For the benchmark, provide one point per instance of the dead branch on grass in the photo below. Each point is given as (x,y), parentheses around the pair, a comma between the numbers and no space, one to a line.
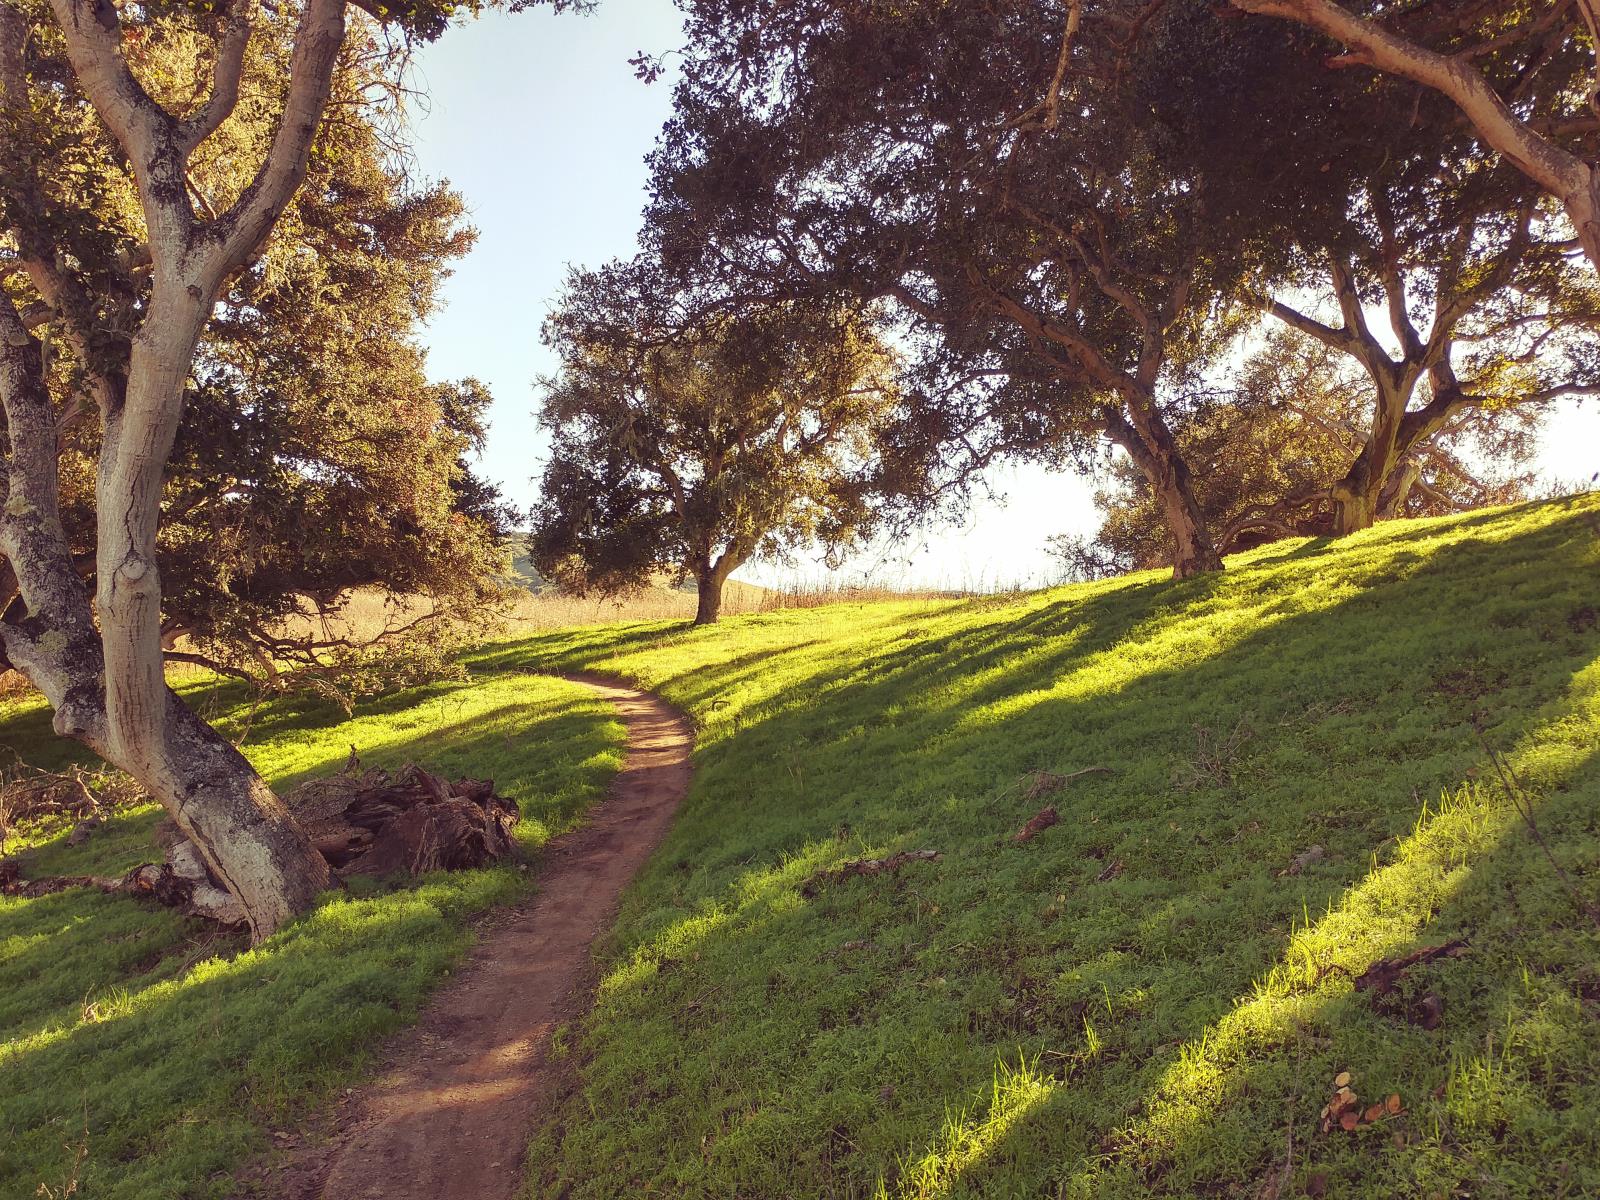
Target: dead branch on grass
(867,866)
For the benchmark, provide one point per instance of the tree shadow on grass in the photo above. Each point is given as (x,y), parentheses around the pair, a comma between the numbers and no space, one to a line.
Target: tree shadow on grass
(1237,1103)
(849,1020)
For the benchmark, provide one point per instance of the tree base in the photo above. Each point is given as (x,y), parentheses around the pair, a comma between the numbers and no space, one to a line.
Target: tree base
(362,822)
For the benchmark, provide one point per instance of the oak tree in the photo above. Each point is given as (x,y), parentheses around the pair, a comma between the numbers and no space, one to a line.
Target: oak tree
(175,137)
(974,166)
(692,447)
(1271,447)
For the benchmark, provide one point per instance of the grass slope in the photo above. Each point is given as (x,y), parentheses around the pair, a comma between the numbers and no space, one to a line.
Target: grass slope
(1138,1002)
(142,1056)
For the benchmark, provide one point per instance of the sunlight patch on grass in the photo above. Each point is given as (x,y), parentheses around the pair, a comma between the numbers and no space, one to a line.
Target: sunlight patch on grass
(967,1137)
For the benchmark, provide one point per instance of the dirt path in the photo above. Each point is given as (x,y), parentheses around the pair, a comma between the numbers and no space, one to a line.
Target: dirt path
(452,1111)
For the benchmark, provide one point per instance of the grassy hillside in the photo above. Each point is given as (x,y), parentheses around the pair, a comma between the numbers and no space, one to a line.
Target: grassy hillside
(1150,998)
(143,1056)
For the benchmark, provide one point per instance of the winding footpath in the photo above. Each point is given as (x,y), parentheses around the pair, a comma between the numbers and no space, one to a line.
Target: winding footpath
(450,1115)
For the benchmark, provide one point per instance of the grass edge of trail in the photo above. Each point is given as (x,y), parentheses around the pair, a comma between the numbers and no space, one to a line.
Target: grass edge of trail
(164,1054)
(1143,1000)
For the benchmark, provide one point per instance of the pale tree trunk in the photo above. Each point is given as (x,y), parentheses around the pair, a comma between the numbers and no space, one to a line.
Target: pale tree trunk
(1377,482)
(1569,178)
(247,838)
(108,685)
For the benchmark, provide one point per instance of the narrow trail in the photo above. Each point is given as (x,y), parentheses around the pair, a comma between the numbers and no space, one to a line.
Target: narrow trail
(451,1112)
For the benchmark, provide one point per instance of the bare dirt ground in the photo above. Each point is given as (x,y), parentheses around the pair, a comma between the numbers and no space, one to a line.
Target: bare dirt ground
(452,1109)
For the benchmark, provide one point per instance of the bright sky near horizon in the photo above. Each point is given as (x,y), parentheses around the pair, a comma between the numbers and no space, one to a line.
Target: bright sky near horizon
(538,120)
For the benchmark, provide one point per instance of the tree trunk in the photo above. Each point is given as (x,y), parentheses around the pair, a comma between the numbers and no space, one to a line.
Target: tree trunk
(1354,509)
(107,686)
(708,583)
(1357,498)
(247,838)
(1155,452)
(1195,551)
(1397,489)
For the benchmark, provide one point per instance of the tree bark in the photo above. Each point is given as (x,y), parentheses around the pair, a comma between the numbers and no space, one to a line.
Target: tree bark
(1196,553)
(1155,452)
(708,583)
(250,842)
(1397,490)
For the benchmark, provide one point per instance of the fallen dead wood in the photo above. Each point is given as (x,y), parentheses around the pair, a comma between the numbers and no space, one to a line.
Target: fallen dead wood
(1382,976)
(182,882)
(868,866)
(412,822)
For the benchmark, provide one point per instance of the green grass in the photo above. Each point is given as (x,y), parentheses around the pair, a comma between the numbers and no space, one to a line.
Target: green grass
(1035,1020)
(164,1054)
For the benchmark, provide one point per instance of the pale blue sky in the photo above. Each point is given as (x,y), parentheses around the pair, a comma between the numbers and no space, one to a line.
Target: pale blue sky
(538,120)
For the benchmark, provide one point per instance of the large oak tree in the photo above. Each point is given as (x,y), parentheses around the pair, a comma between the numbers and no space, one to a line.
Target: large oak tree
(1065,256)
(211,116)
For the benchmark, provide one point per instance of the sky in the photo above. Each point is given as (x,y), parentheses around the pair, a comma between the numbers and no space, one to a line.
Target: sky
(538,121)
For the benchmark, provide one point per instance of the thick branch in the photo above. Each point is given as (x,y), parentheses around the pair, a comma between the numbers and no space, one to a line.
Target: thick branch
(225,77)
(1563,174)
(316,50)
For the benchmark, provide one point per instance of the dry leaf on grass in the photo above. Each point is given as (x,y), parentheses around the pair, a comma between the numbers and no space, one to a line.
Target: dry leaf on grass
(1039,822)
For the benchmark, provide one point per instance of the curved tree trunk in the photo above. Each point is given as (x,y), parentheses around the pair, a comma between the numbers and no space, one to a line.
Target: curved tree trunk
(108,686)
(247,838)
(1153,449)
(1196,553)
(249,841)
(1358,497)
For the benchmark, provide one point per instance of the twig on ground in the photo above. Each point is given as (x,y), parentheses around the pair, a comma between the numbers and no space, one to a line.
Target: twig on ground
(868,866)
(1517,792)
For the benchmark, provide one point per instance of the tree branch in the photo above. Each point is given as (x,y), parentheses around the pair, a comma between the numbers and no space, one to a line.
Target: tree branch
(1563,174)
(198,126)
(316,49)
